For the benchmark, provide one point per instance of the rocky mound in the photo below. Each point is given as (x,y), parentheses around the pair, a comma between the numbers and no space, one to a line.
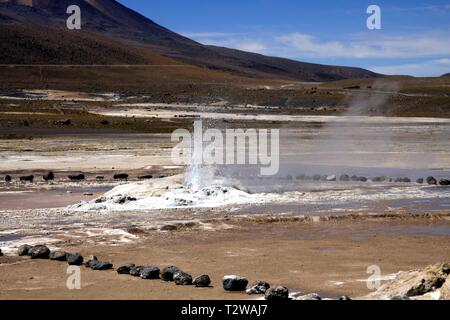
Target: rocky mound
(431,283)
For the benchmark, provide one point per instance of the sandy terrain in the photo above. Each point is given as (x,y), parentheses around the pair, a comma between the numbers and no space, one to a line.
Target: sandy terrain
(327,257)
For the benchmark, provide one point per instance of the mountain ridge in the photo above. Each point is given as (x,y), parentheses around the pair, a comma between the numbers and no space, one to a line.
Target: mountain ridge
(113,22)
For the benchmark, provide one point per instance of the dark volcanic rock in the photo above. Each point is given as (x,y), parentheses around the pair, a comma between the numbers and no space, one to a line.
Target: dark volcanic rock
(444,182)
(150,273)
(23,250)
(39,252)
(99,178)
(202,281)
(1,253)
(362,179)
(100,265)
(8,178)
(66,122)
(379,179)
(431,180)
(49,176)
(258,287)
(420,181)
(168,272)
(234,283)
(147,177)
(344,177)
(182,278)
(277,293)
(87,263)
(27,178)
(136,271)
(342,298)
(58,256)
(77,177)
(125,269)
(74,259)
(354,178)
(121,176)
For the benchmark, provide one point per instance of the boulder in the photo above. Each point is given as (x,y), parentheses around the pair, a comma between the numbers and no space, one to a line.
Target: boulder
(8,178)
(202,281)
(277,293)
(342,298)
(125,269)
(23,250)
(146,177)
(309,297)
(420,181)
(150,273)
(445,290)
(431,180)
(39,252)
(234,283)
(182,279)
(379,179)
(331,178)
(99,178)
(49,176)
(136,271)
(354,178)
(27,178)
(362,179)
(417,284)
(258,287)
(444,182)
(121,176)
(75,259)
(77,177)
(58,256)
(100,265)
(87,262)
(167,273)
(344,177)
(1,253)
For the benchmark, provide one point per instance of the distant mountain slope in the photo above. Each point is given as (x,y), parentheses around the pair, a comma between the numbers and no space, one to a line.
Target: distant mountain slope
(446,75)
(25,44)
(120,30)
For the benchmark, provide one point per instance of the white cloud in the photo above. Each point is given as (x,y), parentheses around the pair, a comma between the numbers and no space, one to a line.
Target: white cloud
(301,45)
(200,35)
(405,46)
(430,68)
(250,46)
(229,40)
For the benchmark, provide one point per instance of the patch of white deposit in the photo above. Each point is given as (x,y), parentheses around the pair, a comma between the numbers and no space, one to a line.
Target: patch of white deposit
(181,197)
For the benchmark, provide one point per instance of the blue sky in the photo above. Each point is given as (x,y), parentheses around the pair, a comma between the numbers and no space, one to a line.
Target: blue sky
(414,39)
